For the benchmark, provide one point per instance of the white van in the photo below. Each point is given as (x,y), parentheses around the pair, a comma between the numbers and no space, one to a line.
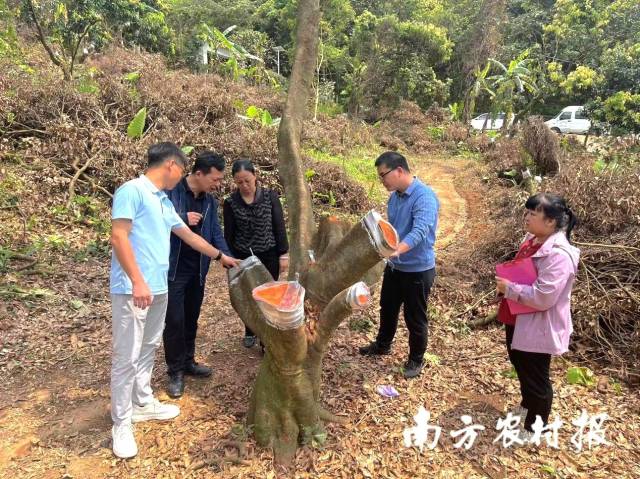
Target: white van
(485,122)
(571,119)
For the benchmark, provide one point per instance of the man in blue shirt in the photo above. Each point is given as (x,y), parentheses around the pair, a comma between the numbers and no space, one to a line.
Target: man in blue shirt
(188,268)
(413,211)
(142,221)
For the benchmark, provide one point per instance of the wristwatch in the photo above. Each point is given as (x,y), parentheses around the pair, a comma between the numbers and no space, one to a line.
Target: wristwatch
(217,258)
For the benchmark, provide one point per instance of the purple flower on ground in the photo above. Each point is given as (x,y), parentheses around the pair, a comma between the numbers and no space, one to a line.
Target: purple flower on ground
(387,391)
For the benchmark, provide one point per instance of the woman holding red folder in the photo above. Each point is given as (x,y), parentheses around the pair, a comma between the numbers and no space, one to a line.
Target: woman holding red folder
(533,337)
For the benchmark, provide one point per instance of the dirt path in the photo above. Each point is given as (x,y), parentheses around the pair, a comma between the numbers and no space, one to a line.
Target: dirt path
(440,174)
(55,421)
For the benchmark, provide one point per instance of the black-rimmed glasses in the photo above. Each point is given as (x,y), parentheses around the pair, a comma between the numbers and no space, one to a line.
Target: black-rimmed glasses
(385,173)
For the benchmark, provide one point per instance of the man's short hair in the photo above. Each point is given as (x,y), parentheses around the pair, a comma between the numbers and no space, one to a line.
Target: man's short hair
(160,152)
(392,160)
(207,160)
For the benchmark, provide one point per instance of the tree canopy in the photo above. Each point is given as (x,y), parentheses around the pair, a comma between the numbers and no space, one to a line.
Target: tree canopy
(373,54)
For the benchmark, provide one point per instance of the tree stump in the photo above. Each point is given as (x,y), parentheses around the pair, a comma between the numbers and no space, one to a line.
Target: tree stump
(285,406)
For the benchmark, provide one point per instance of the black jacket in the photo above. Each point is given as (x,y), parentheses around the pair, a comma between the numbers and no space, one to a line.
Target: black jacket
(211,230)
(256,227)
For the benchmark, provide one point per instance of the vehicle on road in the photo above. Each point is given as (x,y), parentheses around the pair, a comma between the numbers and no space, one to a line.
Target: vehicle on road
(572,119)
(485,122)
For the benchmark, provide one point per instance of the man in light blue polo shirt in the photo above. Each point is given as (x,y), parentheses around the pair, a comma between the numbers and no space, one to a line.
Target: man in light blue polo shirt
(143,218)
(408,278)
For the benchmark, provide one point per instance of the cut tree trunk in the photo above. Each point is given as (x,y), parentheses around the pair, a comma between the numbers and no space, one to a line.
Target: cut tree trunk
(285,407)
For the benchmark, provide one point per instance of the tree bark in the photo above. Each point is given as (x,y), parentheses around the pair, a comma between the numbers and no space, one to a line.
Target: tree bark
(343,263)
(74,53)
(290,167)
(482,44)
(285,406)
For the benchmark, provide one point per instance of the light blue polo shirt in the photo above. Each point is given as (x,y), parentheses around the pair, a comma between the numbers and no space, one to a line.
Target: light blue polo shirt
(153,217)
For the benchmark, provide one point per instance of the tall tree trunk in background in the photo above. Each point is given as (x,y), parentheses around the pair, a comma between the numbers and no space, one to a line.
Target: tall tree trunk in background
(483,43)
(285,407)
(290,167)
(317,81)
(43,40)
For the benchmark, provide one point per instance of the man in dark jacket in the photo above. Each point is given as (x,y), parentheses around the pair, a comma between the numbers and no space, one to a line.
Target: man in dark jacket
(188,268)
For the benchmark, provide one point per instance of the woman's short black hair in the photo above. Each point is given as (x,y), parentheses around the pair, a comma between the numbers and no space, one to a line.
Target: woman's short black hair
(553,207)
(161,152)
(392,160)
(207,160)
(242,165)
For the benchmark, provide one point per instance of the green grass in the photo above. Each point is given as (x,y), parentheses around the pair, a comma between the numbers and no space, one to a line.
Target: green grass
(358,165)
(360,324)
(330,109)
(435,132)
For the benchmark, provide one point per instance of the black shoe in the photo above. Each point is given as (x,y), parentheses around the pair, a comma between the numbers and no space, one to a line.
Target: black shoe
(175,388)
(199,370)
(412,368)
(374,349)
(249,341)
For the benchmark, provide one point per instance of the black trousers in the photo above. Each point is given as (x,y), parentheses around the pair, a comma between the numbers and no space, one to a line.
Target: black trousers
(410,290)
(181,323)
(535,382)
(271,260)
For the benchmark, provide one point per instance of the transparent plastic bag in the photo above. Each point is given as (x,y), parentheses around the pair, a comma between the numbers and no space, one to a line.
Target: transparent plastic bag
(383,236)
(246,264)
(282,303)
(359,296)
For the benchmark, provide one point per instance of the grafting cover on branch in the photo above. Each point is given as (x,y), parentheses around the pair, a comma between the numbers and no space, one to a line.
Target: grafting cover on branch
(359,296)
(347,258)
(245,264)
(281,303)
(383,236)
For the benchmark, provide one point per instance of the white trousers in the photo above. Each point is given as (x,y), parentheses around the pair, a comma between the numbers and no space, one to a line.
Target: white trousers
(136,334)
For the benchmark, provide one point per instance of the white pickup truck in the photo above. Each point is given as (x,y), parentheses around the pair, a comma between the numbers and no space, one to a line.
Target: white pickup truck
(571,119)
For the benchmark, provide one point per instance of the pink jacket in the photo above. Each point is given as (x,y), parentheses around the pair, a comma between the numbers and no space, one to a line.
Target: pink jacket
(548,330)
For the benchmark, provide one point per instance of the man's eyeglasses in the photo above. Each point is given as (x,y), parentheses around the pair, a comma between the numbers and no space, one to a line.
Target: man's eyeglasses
(382,175)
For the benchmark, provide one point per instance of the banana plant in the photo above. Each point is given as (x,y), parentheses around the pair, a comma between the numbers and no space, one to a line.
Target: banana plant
(236,61)
(225,47)
(479,85)
(455,109)
(513,82)
(256,114)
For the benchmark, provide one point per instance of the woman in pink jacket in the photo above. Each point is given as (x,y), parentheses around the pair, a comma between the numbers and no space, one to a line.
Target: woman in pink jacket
(532,338)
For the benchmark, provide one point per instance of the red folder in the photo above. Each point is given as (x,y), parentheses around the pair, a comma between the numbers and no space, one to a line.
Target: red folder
(519,271)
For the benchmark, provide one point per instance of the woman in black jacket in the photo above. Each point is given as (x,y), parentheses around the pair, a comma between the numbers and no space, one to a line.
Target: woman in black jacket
(254,222)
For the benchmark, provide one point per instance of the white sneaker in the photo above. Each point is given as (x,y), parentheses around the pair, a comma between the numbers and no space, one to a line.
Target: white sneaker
(124,443)
(155,410)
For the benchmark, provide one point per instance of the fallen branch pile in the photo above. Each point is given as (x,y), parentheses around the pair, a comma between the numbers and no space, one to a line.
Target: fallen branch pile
(607,297)
(73,135)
